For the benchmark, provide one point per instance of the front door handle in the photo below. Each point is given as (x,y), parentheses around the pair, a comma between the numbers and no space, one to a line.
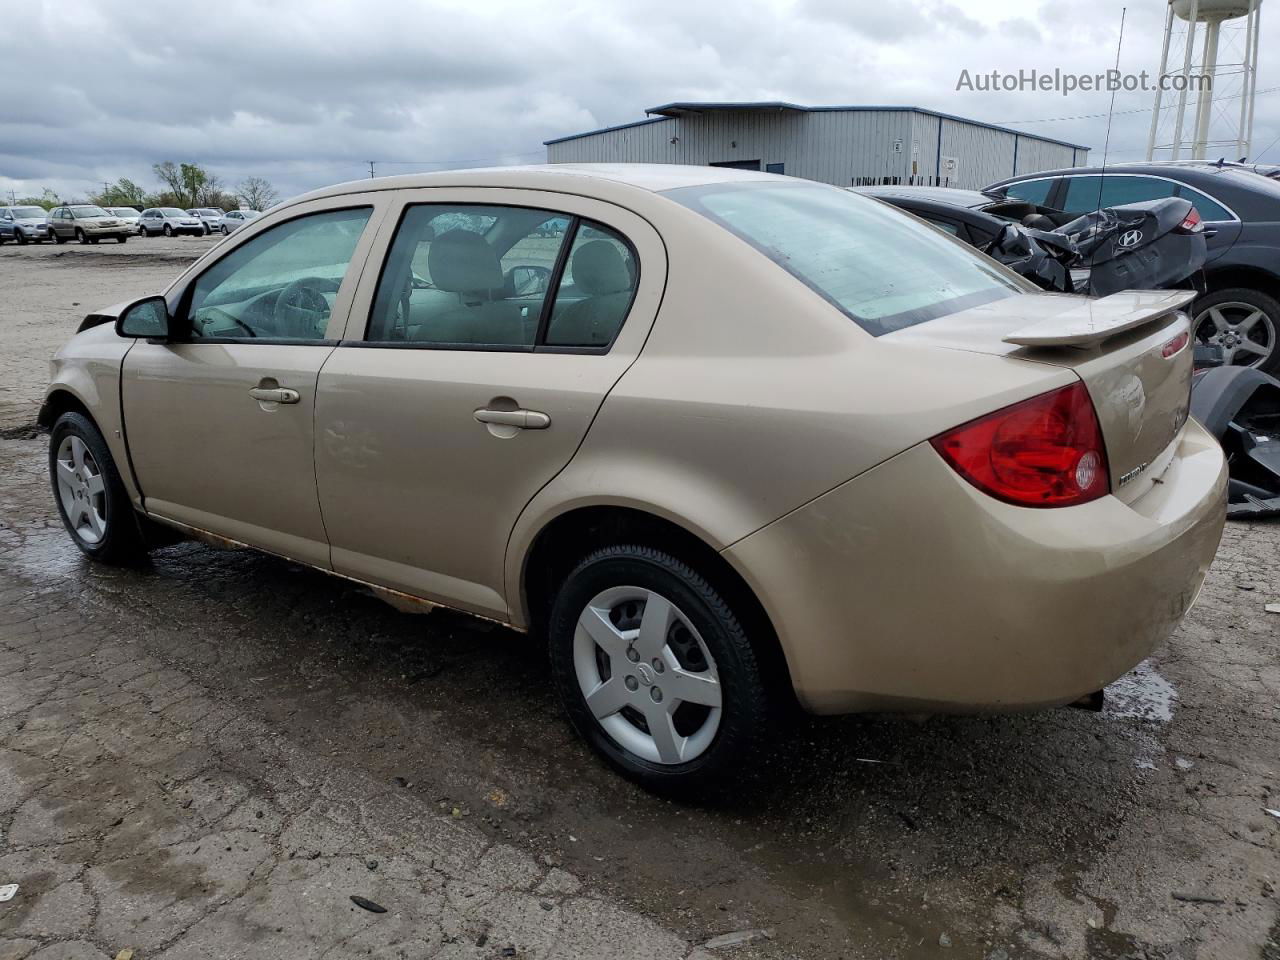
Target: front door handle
(275,395)
(522,419)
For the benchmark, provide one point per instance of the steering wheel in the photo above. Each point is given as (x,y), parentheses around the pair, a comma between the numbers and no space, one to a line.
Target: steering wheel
(301,312)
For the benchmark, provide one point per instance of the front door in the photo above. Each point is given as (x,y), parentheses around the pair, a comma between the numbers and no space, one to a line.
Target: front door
(475,363)
(219,420)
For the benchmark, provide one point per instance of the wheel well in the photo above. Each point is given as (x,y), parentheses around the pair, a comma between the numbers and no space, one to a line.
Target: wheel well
(1247,277)
(58,403)
(567,539)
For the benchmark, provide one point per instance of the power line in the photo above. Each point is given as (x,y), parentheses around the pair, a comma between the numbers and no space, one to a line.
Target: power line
(1120,113)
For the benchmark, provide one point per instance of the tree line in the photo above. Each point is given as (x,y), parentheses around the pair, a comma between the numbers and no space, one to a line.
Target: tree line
(183,185)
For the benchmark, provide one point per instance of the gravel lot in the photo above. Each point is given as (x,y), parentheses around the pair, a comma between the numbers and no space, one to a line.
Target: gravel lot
(208,757)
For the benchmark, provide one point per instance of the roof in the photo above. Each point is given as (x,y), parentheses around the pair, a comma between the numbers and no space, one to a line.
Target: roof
(565,177)
(960,198)
(684,108)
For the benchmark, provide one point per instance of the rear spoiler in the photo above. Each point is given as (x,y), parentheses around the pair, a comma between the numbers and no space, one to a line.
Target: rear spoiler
(1093,321)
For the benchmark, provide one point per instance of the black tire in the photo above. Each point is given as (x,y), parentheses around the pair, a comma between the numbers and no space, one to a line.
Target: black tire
(121,238)
(123,541)
(21,238)
(81,237)
(1258,300)
(225,231)
(745,715)
(168,230)
(57,237)
(94,239)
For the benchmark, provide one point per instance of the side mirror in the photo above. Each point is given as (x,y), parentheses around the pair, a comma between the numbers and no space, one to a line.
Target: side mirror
(148,317)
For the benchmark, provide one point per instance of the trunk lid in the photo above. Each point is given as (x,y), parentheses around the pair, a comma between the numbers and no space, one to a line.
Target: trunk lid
(1117,345)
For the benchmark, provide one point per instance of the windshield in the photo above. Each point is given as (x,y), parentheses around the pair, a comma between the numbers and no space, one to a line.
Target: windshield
(28,213)
(88,211)
(173,212)
(206,212)
(883,270)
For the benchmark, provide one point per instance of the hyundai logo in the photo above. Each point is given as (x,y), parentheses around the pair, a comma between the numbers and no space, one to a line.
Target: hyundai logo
(1131,238)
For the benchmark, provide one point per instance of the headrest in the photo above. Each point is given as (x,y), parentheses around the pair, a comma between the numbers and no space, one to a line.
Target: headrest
(598,268)
(460,261)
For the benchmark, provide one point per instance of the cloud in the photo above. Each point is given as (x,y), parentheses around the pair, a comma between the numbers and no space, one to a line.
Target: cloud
(305,93)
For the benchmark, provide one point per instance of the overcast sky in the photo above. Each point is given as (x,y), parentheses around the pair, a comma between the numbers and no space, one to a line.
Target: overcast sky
(305,93)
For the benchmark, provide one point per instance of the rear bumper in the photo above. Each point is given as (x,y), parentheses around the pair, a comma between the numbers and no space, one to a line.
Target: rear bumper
(908,589)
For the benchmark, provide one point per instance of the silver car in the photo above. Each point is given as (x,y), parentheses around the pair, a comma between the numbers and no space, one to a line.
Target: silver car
(87,223)
(128,214)
(170,221)
(233,219)
(23,224)
(211,217)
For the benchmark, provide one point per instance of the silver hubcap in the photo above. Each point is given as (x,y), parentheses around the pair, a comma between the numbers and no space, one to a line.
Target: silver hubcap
(1246,334)
(82,490)
(647,675)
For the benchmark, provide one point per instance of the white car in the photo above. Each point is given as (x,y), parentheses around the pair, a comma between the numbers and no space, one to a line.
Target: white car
(128,214)
(211,217)
(233,219)
(169,221)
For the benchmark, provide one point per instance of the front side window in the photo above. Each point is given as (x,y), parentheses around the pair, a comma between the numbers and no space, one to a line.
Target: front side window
(881,269)
(1032,191)
(280,285)
(467,274)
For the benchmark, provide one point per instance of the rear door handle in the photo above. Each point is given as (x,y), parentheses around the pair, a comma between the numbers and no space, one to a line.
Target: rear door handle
(275,395)
(524,419)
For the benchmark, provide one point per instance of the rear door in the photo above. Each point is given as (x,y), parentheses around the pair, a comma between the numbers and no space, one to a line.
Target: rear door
(475,361)
(220,419)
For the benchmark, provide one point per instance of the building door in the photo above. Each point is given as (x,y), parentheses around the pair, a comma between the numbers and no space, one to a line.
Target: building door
(737,164)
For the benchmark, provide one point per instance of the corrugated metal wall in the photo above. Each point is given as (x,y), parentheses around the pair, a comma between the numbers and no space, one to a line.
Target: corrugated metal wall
(843,147)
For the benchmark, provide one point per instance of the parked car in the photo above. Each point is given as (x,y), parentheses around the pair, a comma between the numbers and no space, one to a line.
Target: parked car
(209,216)
(234,219)
(87,223)
(730,441)
(1240,309)
(128,214)
(24,224)
(170,221)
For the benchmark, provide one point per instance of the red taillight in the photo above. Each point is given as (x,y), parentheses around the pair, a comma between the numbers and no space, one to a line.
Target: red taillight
(1192,223)
(1043,452)
(1174,346)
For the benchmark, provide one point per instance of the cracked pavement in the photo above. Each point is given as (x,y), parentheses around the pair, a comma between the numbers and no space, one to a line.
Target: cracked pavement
(203,757)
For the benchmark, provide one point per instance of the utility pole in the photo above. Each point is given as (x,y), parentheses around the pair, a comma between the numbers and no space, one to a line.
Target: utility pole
(371,163)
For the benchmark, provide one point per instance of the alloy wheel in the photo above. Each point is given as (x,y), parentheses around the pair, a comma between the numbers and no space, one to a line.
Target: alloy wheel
(647,676)
(82,490)
(1245,333)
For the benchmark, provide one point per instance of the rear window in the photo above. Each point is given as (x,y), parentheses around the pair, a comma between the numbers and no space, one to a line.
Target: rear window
(881,269)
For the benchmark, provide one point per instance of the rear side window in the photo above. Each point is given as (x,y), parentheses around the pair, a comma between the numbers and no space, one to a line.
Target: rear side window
(502,277)
(1086,194)
(883,270)
(1208,208)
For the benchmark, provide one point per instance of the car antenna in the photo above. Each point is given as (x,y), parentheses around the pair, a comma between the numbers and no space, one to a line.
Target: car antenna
(1111,111)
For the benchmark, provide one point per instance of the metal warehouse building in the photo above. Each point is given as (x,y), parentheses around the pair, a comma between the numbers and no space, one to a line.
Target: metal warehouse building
(849,146)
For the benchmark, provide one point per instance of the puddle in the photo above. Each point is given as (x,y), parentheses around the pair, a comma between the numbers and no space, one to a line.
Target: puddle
(1141,694)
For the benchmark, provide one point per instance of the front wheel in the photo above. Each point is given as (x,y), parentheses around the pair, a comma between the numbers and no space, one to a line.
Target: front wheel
(122,239)
(91,497)
(168,230)
(20,237)
(656,671)
(81,236)
(225,231)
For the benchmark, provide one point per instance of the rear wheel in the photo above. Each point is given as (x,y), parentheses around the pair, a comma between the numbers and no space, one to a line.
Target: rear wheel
(91,497)
(1245,323)
(656,671)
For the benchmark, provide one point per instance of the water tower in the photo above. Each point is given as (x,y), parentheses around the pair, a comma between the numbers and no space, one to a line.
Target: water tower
(1234,85)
